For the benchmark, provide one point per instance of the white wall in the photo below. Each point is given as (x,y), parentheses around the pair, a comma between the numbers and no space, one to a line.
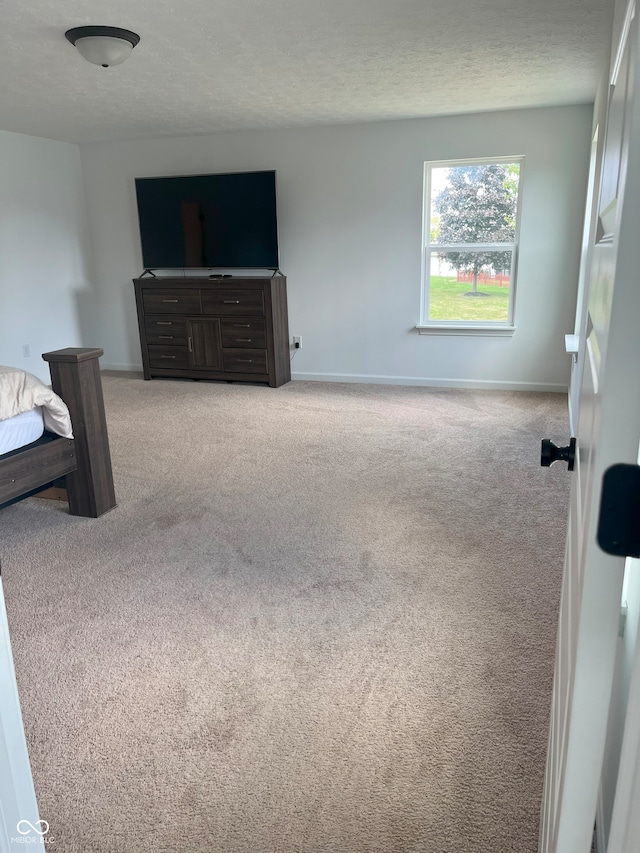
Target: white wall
(43,249)
(350,219)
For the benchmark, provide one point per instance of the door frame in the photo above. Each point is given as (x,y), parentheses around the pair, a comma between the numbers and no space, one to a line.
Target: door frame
(17,794)
(575,754)
(625,821)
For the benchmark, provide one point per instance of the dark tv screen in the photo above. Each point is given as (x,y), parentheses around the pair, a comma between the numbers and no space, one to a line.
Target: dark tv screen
(208,221)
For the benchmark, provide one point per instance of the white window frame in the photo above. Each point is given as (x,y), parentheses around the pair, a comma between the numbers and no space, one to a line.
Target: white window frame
(462,327)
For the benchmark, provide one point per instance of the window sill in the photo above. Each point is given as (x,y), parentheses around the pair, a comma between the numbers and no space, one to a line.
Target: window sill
(483,331)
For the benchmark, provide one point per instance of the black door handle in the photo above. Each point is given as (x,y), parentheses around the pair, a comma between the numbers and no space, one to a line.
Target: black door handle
(552,453)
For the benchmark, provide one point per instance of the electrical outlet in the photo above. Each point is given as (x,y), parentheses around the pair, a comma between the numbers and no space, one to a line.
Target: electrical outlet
(26,350)
(297,341)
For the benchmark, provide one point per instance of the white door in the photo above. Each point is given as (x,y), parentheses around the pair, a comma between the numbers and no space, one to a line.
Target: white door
(608,432)
(19,820)
(624,832)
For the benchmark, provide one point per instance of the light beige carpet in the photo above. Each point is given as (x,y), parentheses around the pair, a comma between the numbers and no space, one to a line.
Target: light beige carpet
(321,619)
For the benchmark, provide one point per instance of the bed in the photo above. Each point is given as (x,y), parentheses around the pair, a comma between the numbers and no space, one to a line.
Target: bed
(42,446)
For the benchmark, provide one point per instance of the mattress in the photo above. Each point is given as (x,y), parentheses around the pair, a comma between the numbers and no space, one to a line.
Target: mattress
(21,429)
(21,392)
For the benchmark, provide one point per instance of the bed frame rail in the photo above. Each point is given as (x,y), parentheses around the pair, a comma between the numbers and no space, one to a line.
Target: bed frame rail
(23,472)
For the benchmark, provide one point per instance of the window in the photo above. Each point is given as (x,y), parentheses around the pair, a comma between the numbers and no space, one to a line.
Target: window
(471,216)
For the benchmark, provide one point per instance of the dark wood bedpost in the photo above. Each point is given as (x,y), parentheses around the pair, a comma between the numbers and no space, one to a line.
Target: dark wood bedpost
(75,376)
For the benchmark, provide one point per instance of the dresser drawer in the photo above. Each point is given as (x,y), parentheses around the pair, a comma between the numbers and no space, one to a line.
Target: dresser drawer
(239,333)
(167,356)
(238,301)
(245,360)
(166,332)
(171,301)
(165,326)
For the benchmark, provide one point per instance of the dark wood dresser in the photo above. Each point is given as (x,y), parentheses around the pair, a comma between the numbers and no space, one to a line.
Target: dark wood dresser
(228,328)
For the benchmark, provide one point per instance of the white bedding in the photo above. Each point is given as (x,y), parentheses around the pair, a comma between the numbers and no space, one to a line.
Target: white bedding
(21,430)
(21,392)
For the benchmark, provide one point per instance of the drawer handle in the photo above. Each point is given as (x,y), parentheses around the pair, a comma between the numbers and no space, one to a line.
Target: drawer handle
(166,337)
(164,323)
(231,301)
(248,360)
(190,342)
(169,300)
(244,340)
(242,325)
(167,356)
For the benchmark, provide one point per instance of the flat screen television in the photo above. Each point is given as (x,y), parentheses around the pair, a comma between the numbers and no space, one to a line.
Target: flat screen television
(209,221)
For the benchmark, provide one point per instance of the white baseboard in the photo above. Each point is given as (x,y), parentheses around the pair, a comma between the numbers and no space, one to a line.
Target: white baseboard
(121,368)
(479,384)
(368,379)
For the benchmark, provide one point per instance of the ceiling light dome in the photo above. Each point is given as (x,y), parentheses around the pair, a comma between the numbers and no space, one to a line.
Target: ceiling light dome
(103,46)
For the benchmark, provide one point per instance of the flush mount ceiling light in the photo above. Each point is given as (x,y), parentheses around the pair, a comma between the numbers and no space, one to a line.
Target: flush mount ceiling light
(103,46)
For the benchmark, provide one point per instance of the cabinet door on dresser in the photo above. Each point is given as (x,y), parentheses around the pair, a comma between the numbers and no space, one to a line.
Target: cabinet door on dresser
(205,343)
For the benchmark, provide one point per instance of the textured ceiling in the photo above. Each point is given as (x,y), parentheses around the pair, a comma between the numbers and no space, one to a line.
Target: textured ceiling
(205,65)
